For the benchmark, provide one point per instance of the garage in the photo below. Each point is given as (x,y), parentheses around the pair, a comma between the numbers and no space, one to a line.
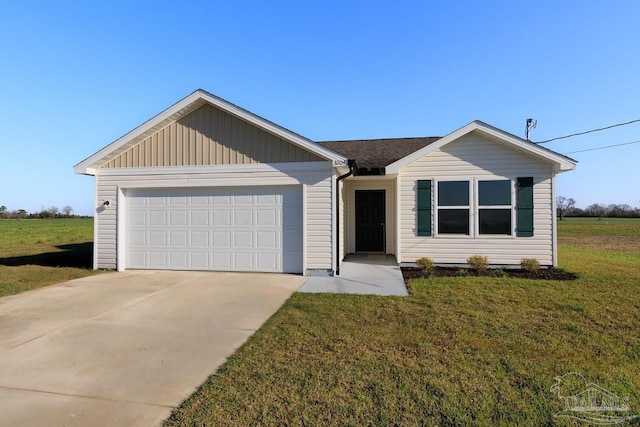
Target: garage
(222,229)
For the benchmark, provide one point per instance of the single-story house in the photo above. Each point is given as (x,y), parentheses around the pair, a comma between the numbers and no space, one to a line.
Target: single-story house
(207,185)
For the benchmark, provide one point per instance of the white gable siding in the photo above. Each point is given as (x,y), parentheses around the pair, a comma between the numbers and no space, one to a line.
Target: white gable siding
(314,176)
(471,157)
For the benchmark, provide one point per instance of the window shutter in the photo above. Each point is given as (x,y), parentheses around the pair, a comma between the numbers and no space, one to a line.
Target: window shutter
(525,207)
(424,208)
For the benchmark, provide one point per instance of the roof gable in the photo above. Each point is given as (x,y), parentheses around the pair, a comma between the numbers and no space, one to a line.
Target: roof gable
(210,136)
(560,162)
(123,148)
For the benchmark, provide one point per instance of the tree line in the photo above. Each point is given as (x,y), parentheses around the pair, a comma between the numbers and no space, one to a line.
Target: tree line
(566,207)
(44,213)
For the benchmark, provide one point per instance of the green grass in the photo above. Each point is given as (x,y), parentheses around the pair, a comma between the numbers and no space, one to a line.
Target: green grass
(36,253)
(459,351)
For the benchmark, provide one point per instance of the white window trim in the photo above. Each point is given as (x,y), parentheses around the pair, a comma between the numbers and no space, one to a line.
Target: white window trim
(474,208)
(436,209)
(512,207)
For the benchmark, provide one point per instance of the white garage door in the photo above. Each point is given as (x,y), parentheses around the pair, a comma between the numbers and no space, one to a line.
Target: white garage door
(225,229)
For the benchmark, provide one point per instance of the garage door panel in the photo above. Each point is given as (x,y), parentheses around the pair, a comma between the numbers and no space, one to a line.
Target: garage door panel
(200,261)
(179,260)
(243,217)
(243,229)
(199,239)
(267,262)
(221,217)
(199,218)
(158,259)
(178,238)
(243,239)
(158,218)
(157,238)
(221,261)
(243,261)
(222,239)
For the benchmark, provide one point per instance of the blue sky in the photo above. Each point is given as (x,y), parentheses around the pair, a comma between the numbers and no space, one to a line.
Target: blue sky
(75,76)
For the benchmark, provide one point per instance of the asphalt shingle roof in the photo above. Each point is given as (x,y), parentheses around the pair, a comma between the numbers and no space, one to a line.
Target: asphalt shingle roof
(378,153)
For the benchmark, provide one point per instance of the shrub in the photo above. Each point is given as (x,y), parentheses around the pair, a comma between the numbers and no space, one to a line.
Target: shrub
(500,272)
(425,263)
(426,273)
(530,264)
(478,262)
(463,272)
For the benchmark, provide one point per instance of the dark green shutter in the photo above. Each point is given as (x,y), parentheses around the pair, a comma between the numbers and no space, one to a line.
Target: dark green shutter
(424,208)
(525,207)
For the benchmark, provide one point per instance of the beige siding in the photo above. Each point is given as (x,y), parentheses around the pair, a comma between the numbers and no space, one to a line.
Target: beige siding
(370,183)
(209,136)
(315,176)
(475,157)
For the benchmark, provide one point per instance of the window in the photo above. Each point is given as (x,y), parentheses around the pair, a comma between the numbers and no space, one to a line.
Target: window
(494,207)
(475,207)
(453,207)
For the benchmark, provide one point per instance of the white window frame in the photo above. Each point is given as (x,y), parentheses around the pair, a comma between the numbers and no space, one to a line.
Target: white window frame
(512,207)
(436,209)
(474,208)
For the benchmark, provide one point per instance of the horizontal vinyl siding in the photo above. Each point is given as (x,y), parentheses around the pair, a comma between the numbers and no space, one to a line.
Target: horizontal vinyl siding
(318,203)
(209,136)
(390,210)
(106,219)
(319,230)
(476,157)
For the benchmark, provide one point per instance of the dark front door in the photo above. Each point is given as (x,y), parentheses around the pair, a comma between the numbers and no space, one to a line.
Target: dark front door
(370,220)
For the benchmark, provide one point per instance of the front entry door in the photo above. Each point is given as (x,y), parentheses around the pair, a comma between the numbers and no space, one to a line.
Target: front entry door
(370,221)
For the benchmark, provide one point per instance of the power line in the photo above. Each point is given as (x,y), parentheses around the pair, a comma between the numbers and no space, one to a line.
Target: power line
(588,131)
(602,148)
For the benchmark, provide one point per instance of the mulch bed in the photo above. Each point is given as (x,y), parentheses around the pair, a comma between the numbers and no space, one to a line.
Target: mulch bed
(542,274)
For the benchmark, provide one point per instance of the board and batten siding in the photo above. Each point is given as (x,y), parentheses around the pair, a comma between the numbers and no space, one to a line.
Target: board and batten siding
(210,136)
(314,176)
(389,187)
(474,156)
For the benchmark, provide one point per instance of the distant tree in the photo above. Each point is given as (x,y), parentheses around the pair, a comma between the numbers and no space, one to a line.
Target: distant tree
(3,211)
(67,210)
(21,213)
(596,210)
(564,206)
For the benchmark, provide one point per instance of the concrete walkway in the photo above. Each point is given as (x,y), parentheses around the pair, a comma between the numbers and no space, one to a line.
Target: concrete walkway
(123,349)
(362,274)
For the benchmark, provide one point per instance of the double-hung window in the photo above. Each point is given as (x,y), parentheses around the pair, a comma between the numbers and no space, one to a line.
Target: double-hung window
(453,207)
(495,211)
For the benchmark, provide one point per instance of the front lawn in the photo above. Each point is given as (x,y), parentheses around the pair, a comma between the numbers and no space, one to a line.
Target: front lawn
(459,351)
(41,252)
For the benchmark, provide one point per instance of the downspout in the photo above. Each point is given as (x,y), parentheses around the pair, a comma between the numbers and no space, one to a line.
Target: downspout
(340,178)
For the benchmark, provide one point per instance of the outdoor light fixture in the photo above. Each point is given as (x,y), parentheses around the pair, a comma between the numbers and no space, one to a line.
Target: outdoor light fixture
(105,203)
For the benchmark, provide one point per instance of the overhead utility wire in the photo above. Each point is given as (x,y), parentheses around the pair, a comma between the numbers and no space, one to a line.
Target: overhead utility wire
(602,148)
(589,131)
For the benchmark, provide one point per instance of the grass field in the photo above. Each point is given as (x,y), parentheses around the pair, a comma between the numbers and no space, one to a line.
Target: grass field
(36,253)
(459,351)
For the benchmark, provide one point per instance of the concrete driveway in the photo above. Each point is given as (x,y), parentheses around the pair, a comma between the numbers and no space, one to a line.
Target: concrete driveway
(123,349)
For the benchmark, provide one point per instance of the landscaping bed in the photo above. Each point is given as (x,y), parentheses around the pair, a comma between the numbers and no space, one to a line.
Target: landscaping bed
(542,274)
